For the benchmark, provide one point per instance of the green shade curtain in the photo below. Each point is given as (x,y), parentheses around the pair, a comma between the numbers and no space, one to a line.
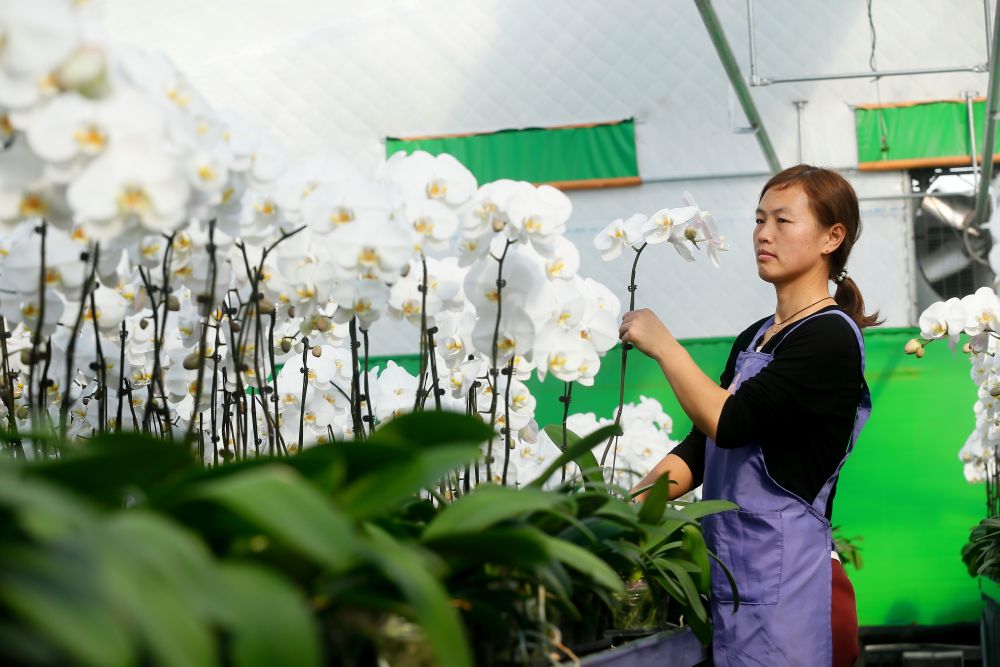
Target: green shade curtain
(917,134)
(584,156)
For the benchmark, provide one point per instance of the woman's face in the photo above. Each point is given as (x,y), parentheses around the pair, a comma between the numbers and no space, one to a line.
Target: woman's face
(788,240)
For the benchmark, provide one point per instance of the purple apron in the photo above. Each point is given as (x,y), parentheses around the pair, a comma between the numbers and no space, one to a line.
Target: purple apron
(777,547)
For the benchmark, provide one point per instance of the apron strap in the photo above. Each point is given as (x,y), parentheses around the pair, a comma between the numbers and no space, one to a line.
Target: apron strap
(760,332)
(860,416)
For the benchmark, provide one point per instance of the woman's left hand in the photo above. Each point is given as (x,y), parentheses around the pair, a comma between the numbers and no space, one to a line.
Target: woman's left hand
(645,331)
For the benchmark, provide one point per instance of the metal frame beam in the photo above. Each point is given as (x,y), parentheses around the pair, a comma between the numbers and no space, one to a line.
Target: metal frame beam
(756,80)
(989,126)
(718,36)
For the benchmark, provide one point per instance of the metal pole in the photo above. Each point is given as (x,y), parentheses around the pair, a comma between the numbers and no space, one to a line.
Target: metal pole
(715,32)
(798,120)
(986,17)
(979,68)
(973,153)
(989,127)
(753,43)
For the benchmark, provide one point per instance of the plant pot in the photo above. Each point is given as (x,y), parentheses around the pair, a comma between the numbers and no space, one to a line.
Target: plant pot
(989,620)
(677,647)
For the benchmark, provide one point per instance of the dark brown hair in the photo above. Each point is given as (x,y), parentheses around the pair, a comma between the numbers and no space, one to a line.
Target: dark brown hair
(832,200)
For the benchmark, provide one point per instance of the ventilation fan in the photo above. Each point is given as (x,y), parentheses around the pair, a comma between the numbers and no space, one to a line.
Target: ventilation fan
(951,248)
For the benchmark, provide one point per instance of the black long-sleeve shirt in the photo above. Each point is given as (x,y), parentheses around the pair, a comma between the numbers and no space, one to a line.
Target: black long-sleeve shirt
(801,406)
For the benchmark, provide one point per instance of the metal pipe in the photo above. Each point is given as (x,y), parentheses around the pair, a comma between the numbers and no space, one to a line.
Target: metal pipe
(986,17)
(718,37)
(753,43)
(798,121)
(989,126)
(981,67)
(972,138)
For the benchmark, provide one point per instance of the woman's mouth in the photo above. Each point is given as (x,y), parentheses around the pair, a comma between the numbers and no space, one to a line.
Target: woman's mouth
(764,256)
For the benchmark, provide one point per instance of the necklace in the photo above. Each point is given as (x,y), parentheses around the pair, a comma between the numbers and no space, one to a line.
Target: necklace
(777,325)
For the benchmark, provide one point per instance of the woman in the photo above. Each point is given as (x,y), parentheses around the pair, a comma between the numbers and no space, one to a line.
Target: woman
(774,436)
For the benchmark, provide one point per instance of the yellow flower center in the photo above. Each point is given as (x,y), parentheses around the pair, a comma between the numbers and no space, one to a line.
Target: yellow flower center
(423,226)
(32,204)
(367,256)
(437,188)
(206,173)
(91,139)
(133,201)
(342,215)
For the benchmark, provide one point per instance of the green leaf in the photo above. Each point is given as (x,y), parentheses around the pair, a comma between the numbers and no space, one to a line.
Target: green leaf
(519,546)
(428,598)
(108,465)
(161,577)
(589,466)
(656,501)
(486,505)
(42,509)
(695,549)
(431,428)
(387,488)
(576,451)
(55,591)
(732,582)
(286,507)
(706,507)
(269,620)
(683,578)
(585,562)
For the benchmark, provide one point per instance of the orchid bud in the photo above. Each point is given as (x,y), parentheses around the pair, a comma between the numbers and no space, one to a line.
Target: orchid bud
(919,353)
(317,351)
(235,326)
(86,72)
(291,311)
(286,344)
(967,348)
(173,303)
(191,361)
(143,323)
(498,224)
(912,346)
(323,324)
(22,412)
(265,305)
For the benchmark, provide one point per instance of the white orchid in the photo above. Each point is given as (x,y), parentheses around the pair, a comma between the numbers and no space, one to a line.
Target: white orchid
(943,318)
(132,182)
(437,177)
(540,215)
(982,311)
(619,234)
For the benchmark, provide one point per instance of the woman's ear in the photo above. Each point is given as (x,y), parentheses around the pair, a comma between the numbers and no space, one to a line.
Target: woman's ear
(834,237)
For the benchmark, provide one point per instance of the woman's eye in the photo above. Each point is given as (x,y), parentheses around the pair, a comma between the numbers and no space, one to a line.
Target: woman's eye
(782,220)
(759,221)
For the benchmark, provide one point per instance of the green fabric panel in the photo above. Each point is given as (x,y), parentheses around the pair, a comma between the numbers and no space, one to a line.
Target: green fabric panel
(538,155)
(902,490)
(935,129)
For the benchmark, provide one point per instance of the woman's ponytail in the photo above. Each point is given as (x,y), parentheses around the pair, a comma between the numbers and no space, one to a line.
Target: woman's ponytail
(848,297)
